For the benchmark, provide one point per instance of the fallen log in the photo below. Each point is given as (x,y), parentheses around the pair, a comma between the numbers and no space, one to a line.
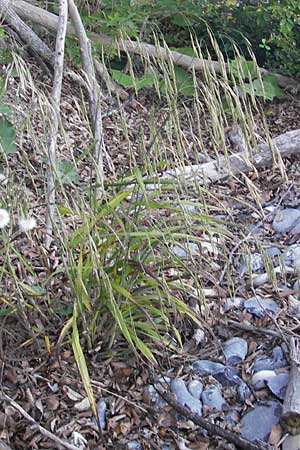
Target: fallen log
(24,31)
(282,146)
(49,20)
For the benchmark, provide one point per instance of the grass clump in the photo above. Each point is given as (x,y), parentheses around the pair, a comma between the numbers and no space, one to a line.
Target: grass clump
(123,266)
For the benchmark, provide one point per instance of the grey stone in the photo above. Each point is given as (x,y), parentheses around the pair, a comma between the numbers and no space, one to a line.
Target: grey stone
(227,376)
(232,418)
(184,251)
(134,445)
(258,423)
(206,367)
(243,391)
(183,396)
(152,396)
(285,220)
(101,410)
(251,263)
(278,385)
(212,398)
(259,379)
(195,388)
(291,442)
(233,303)
(272,252)
(291,257)
(235,350)
(296,285)
(277,360)
(260,306)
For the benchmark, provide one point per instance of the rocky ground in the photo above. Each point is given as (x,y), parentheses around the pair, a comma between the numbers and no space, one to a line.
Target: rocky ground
(233,371)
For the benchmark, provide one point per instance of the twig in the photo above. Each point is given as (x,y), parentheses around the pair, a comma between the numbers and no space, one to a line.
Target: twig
(41,429)
(252,328)
(55,101)
(213,429)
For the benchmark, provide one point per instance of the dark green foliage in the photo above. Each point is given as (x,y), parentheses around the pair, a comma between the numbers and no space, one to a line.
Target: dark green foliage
(271,28)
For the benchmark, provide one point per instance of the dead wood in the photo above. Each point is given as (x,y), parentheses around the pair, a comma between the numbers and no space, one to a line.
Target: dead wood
(55,119)
(60,442)
(290,418)
(282,146)
(25,32)
(213,429)
(48,20)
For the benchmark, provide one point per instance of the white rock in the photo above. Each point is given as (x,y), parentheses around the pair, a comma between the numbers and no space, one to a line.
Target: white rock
(260,378)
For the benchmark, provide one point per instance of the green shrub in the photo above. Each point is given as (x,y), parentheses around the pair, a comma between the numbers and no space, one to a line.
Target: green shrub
(272,28)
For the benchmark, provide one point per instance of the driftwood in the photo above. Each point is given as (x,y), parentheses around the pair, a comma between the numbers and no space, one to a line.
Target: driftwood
(286,144)
(44,18)
(290,418)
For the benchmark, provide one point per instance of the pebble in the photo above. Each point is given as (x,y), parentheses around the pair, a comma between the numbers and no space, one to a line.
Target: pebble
(235,350)
(251,263)
(272,252)
(195,388)
(152,397)
(234,303)
(243,391)
(207,367)
(184,397)
(278,385)
(296,285)
(291,257)
(185,251)
(212,398)
(227,376)
(260,306)
(134,445)
(101,410)
(291,442)
(232,418)
(277,360)
(285,220)
(258,423)
(259,379)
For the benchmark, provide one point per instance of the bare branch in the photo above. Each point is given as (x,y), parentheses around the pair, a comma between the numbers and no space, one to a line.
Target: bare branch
(42,430)
(55,115)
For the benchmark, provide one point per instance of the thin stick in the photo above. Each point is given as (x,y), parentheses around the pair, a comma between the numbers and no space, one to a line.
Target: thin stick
(213,429)
(41,429)
(54,115)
